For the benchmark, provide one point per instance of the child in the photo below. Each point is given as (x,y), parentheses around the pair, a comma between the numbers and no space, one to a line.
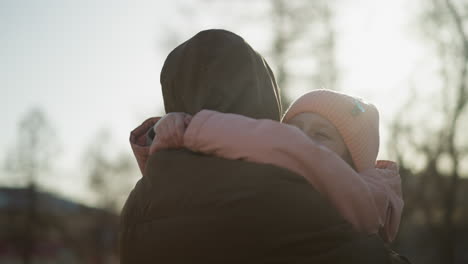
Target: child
(330,138)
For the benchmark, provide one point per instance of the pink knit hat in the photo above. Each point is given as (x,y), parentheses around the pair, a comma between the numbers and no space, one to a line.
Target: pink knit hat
(356,121)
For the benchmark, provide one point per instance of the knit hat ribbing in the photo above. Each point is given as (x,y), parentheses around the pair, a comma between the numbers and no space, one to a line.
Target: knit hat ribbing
(356,121)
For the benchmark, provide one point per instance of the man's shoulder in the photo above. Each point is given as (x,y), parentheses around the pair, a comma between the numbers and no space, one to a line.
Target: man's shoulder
(173,174)
(183,160)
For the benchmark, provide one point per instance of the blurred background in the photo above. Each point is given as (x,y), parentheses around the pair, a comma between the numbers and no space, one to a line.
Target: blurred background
(77,76)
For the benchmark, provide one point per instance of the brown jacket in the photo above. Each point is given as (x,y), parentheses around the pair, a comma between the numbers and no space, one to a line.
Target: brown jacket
(191,208)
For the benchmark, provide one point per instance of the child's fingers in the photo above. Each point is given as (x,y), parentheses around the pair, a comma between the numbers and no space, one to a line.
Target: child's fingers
(170,130)
(187,119)
(179,130)
(158,146)
(171,133)
(159,130)
(164,134)
(174,127)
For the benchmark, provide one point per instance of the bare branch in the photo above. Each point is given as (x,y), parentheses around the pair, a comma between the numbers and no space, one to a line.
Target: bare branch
(463,71)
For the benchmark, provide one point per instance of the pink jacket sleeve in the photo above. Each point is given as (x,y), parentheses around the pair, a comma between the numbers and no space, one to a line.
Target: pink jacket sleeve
(385,184)
(265,141)
(138,142)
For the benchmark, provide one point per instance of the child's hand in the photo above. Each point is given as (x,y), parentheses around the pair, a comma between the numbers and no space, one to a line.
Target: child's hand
(170,130)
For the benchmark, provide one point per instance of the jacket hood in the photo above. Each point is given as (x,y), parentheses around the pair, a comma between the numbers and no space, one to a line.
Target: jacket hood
(218,70)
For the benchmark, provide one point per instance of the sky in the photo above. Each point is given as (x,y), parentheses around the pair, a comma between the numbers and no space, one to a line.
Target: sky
(94,65)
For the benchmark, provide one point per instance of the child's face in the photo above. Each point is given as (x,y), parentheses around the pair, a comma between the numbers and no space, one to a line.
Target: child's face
(321,131)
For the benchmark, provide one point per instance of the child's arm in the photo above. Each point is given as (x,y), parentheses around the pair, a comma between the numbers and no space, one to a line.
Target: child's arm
(265,141)
(168,133)
(385,185)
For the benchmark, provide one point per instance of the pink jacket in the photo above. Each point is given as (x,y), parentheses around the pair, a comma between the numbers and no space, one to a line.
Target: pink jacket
(371,201)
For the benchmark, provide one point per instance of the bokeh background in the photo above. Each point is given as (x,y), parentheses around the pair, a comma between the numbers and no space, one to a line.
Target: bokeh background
(77,76)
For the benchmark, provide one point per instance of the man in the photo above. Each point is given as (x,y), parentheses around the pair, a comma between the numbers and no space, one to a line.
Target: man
(192,208)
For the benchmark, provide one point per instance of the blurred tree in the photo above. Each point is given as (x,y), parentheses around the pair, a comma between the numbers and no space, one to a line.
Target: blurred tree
(110,174)
(438,144)
(304,35)
(300,37)
(28,160)
(32,155)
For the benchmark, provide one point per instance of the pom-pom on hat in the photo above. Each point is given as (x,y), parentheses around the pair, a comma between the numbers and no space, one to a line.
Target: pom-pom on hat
(356,120)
